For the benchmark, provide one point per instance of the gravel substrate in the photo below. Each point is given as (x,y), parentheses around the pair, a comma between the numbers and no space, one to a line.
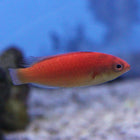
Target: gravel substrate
(105,112)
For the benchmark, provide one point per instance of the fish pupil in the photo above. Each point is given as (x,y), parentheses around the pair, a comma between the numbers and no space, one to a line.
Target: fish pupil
(119,66)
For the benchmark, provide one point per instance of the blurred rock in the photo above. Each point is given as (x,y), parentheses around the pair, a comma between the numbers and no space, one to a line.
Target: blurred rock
(1,136)
(4,90)
(15,116)
(4,96)
(13,107)
(11,57)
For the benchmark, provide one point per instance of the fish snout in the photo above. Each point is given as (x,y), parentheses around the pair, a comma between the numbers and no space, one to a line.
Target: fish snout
(127,67)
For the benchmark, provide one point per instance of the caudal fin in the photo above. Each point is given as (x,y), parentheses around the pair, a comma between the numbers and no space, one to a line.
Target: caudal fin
(15,77)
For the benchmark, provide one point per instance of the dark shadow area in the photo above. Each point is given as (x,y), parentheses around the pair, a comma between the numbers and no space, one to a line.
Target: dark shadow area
(13,99)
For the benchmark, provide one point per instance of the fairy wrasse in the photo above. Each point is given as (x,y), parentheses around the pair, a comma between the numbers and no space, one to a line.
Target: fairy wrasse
(71,70)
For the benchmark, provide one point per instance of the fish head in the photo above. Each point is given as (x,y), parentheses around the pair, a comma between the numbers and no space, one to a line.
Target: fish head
(118,67)
(111,68)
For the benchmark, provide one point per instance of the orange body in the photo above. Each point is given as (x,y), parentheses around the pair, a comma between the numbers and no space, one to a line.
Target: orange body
(73,69)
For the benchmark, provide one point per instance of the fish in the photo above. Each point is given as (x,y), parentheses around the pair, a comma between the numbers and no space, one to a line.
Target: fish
(75,69)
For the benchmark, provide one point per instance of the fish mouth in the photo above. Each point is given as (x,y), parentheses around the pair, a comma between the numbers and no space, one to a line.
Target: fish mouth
(128,67)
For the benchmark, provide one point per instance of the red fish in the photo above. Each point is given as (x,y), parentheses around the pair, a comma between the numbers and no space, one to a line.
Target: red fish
(71,70)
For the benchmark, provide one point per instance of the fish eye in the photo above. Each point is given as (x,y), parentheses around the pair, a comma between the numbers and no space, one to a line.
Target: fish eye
(118,67)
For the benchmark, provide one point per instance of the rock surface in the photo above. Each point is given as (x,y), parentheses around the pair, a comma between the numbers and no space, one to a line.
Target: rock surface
(105,112)
(13,99)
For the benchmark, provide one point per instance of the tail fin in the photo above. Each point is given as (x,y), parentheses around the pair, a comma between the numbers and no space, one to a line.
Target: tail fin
(15,77)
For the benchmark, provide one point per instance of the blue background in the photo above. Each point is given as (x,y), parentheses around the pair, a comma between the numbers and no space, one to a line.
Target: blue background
(46,27)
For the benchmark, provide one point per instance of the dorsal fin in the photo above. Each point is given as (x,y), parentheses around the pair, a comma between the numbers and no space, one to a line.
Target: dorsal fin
(33,60)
